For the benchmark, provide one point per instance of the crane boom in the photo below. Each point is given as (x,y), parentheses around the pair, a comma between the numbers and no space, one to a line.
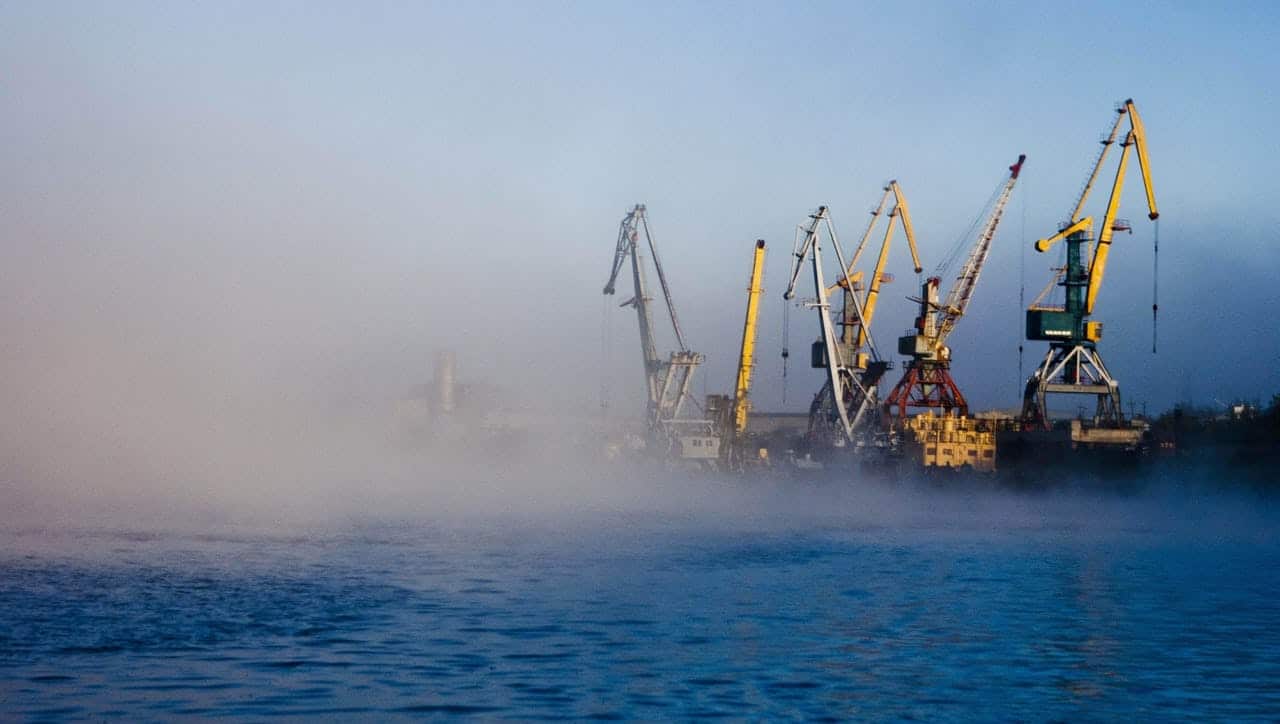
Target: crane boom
(1139,135)
(862,243)
(1135,139)
(873,290)
(864,307)
(967,280)
(1098,264)
(901,202)
(746,357)
(900,211)
(851,276)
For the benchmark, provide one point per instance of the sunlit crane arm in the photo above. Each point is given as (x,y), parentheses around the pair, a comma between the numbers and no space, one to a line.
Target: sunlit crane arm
(746,357)
(1098,265)
(900,202)
(1044,245)
(1136,139)
(662,281)
(962,291)
(1139,134)
(901,212)
(850,274)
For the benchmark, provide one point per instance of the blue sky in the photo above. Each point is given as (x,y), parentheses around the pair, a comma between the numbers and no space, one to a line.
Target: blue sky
(309,194)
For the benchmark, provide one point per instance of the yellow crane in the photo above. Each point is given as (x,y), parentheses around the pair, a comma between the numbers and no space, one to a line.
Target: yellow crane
(856,327)
(746,357)
(731,413)
(1072,364)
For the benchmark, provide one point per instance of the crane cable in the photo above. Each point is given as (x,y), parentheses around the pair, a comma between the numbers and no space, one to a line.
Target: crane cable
(965,241)
(786,323)
(1155,284)
(1022,284)
(606,348)
(786,351)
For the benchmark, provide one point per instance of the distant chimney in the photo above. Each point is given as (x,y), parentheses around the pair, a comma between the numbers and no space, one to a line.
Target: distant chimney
(446,364)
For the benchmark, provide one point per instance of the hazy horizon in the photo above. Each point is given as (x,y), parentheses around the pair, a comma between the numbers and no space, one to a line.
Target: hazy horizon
(237,233)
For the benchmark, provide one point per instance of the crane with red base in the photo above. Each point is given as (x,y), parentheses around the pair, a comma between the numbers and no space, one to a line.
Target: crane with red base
(926,381)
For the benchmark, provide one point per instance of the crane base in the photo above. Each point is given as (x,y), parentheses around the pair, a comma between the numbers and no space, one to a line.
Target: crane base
(925,384)
(1072,369)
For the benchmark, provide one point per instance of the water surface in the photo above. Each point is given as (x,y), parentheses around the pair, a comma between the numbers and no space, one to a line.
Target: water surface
(653,615)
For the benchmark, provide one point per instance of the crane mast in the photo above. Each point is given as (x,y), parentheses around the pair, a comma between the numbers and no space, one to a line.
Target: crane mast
(1072,364)
(927,381)
(667,381)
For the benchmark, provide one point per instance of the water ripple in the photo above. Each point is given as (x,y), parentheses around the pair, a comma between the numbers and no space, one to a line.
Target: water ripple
(407,622)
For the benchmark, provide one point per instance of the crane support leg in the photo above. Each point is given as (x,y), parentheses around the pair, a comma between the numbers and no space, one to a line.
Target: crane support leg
(860,396)
(1073,370)
(925,383)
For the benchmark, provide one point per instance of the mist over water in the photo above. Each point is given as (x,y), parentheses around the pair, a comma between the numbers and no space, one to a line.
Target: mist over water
(208,530)
(642,596)
(302,479)
(233,239)
(332,560)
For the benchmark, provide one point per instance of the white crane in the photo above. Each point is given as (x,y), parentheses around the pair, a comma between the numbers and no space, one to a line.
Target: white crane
(849,394)
(667,381)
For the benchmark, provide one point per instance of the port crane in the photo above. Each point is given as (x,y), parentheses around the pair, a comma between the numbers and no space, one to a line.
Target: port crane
(668,381)
(731,413)
(854,368)
(746,356)
(1072,364)
(926,381)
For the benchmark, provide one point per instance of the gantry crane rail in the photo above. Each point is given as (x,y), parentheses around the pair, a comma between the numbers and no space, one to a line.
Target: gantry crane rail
(746,355)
